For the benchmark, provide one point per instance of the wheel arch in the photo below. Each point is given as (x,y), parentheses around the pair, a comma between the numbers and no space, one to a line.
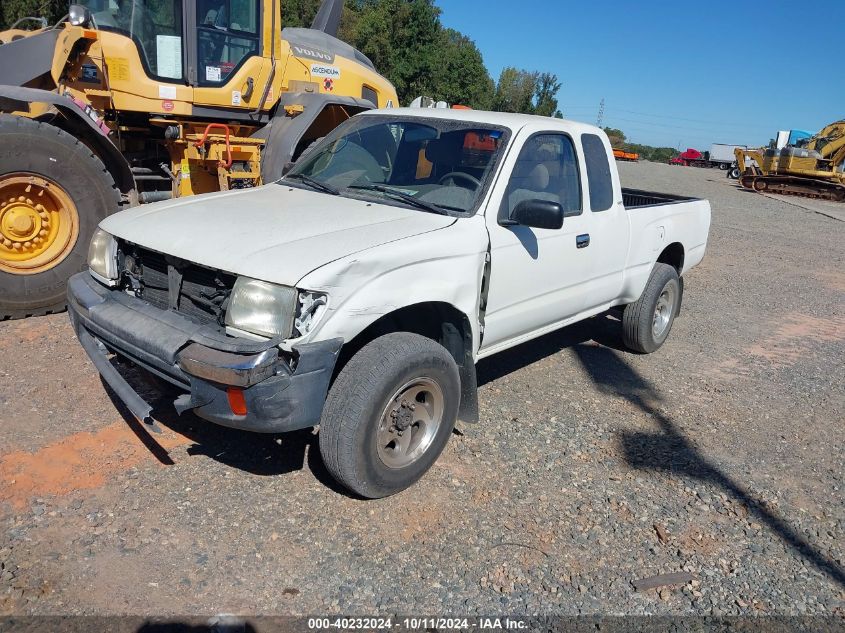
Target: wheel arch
(75,122)
(673,255)
(436,320)
(288,136)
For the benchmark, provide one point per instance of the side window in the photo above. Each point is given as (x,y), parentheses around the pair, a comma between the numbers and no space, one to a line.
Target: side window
(155,26)
(598,173)
(227,34)
(547,169)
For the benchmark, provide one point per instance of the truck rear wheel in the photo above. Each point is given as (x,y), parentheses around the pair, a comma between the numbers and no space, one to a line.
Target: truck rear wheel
(53,193)
(389,414)
(646,322)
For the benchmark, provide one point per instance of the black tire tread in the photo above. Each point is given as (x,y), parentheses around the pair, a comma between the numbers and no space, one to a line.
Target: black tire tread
(348,399)
(13,124)
(635,325)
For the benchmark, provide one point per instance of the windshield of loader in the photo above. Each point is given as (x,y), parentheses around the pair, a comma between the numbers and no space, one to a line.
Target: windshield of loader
(154,25)
(436,165)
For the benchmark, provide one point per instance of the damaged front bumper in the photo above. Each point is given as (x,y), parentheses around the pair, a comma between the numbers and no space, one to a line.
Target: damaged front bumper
(281,392)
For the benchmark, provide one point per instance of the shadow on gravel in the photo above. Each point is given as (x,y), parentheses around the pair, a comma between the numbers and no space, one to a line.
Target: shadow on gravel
(604,329)
(265,455)
(671,451)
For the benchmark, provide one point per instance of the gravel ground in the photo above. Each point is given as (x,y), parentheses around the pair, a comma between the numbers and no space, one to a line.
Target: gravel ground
(720,455)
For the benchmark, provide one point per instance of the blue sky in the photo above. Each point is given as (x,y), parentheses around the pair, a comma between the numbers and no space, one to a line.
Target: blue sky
(673,73)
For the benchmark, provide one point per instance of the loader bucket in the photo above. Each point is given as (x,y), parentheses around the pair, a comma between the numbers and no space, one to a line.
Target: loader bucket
(27,59)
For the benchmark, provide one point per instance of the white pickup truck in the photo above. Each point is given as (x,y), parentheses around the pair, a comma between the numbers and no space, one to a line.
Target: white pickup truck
(359,291)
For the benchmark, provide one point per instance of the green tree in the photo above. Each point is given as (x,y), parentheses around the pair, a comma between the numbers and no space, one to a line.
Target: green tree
(299,12)
(617,137)
(12,10)
(401,37)
(545,95)
(528,92)
(515,91)
(460,76)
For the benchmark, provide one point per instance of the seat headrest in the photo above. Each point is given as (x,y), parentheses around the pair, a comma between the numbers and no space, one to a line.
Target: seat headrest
(538,178)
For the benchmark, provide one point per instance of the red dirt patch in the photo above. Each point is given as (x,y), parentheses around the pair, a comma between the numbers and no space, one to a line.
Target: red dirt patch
(82,461)
(793,338)
(789,342)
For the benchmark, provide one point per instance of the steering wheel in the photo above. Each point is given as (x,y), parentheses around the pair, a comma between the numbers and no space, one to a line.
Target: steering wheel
(459,175)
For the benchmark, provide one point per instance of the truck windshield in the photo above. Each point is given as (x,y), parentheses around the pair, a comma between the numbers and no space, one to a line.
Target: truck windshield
(154,25)
(432,164)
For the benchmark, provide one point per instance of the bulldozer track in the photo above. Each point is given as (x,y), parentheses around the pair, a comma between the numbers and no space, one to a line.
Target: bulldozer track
(779,186)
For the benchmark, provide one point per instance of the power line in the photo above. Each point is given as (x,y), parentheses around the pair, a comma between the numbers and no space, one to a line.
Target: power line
(679,118)
(586,108)
(662,125)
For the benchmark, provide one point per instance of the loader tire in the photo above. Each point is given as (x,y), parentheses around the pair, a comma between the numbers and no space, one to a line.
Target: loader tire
(53,193)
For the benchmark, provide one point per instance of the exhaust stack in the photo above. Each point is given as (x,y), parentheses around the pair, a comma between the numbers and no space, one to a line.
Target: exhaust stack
(327,19)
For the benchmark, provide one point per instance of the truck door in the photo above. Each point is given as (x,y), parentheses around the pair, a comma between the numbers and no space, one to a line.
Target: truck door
(536,275)
(608,226)
(231,71)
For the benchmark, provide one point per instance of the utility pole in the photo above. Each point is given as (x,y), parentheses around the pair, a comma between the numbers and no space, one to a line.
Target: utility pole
(600,118)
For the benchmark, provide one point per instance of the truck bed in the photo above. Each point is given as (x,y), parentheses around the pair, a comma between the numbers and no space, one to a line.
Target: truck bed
(634,198)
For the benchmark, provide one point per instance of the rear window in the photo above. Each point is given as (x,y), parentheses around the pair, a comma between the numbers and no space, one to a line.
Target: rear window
(598,173)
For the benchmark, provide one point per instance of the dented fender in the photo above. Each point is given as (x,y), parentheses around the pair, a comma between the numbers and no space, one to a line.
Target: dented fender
(440,266)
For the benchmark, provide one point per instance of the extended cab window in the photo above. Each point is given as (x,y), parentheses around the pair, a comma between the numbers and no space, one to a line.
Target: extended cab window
(547,169)
(598,173)
(227,35)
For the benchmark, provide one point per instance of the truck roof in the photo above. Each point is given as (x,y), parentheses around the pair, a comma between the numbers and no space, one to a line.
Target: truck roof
(506,119)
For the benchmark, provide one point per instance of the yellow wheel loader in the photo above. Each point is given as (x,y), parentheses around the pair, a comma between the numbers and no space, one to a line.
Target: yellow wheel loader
(133,101)
(813,168)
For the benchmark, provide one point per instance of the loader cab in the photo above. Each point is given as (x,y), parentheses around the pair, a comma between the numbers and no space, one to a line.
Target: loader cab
(202,43)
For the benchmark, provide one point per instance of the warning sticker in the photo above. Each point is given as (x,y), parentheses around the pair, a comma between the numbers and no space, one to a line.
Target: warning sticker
(212,73)
(328,84)
(167,92)
(320,70)
(118,68)
(167,105)
(236,97)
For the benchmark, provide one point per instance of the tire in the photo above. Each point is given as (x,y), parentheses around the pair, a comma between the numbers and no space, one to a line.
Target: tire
(356,418)
(734,173)
(643,329)
(32,149)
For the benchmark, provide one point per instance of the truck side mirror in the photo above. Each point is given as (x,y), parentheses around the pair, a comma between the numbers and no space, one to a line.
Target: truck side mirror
(538,214)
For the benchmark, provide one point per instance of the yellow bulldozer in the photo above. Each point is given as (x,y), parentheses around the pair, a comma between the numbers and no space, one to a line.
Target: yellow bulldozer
(131,101)
(815,167)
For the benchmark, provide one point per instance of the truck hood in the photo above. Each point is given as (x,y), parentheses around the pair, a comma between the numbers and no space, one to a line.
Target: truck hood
(274,233)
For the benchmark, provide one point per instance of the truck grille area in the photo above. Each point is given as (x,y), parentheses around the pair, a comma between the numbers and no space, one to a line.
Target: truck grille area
(199,293)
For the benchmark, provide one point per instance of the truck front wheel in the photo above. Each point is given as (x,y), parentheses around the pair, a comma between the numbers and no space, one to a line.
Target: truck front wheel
(646,322)
(53,193)
(389,414)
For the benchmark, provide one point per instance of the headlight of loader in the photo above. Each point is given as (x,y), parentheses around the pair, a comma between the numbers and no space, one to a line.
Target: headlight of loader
(102,257)
(261,308)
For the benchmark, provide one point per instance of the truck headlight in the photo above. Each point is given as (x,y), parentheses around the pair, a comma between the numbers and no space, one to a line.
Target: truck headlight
(102,257)
(261,308)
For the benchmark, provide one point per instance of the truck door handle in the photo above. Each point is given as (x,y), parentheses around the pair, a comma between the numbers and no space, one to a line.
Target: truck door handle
(582,241)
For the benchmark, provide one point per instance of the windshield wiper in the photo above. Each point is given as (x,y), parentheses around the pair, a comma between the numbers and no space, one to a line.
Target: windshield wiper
(420,204)
(313,183)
